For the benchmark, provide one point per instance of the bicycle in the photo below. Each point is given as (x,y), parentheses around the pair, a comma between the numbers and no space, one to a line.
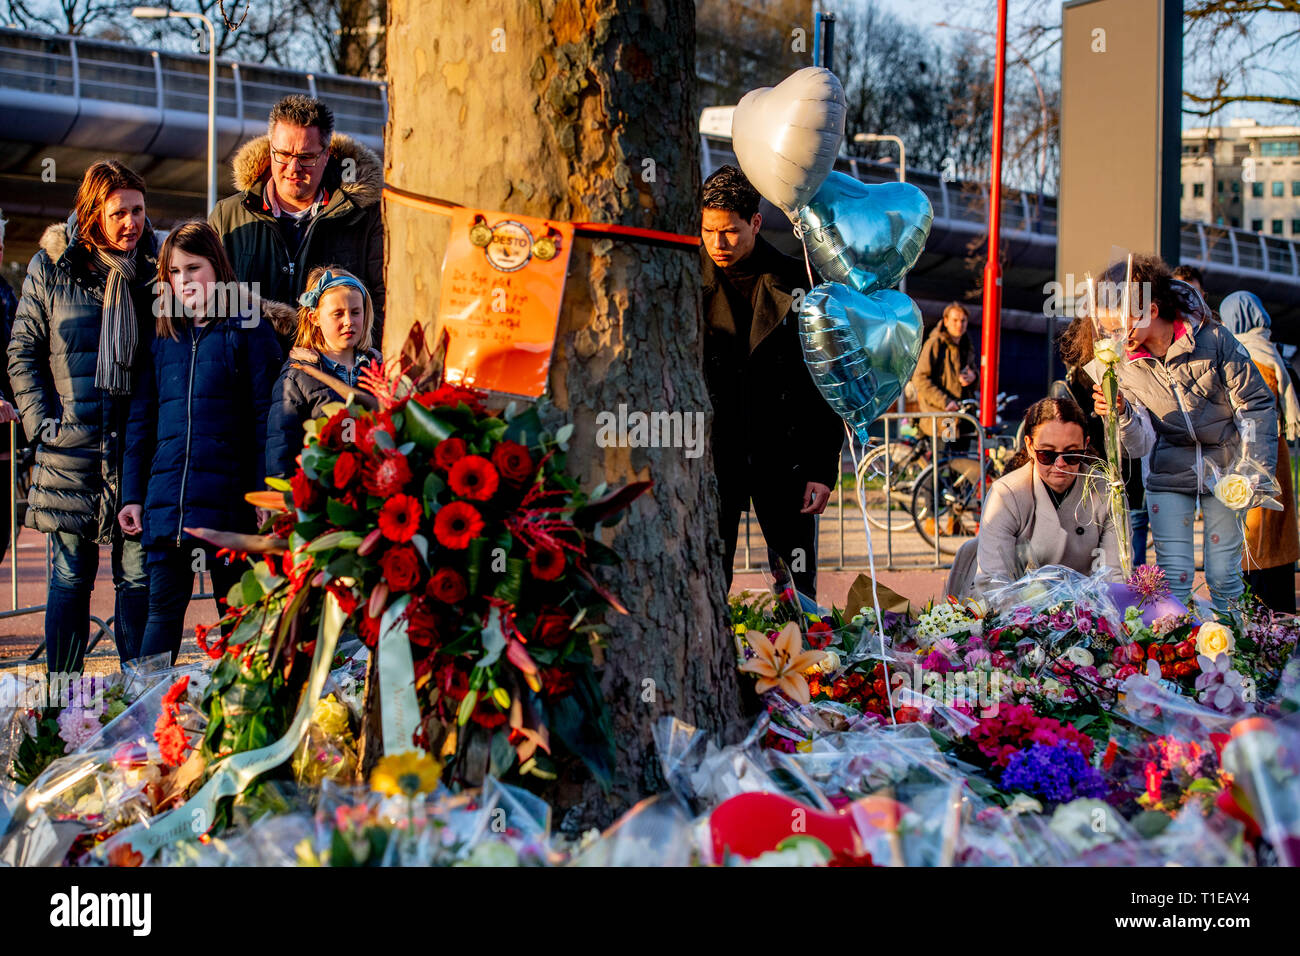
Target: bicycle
(908,456)
(962,482)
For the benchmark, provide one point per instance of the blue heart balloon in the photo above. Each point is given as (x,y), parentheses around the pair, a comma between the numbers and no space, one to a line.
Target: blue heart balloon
(866,236)
(860,349)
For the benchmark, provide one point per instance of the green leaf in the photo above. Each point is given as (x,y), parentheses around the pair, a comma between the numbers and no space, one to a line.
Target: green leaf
(342,515)
(564,434)
(502,754)
(433,486)
(474,563)
(424,426)
(252,589)
(406,448)
(511,586)
(383,440)
(421,544)
(331,540)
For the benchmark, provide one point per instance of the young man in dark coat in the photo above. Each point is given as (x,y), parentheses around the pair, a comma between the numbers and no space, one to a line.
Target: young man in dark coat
(308,197)
(775,440)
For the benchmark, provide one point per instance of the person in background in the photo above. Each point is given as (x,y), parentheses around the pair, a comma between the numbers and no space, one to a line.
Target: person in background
(308,196)
(84,319)
(1272,537)
(945,375)
(8,309)
(197,428)
(1050,507)
(1193,277)
(336,323)
(1189,395)
(1076,353)
(774,439)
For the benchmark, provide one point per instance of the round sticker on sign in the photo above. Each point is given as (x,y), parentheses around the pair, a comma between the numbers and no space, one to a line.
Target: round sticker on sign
(511,246)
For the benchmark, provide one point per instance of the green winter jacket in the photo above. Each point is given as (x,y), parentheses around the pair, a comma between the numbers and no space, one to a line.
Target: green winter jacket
(348,232)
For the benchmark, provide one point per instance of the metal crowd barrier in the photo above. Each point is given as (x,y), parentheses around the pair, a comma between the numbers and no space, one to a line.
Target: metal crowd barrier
(937,441)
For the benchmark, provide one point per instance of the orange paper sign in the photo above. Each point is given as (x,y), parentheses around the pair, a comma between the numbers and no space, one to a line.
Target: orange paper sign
(502,284)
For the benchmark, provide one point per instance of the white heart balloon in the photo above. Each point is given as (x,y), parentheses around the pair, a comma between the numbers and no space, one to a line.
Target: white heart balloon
(787,136)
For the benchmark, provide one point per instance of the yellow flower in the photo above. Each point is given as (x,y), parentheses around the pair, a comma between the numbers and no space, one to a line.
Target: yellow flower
(781,664)
(1214,639)
(1234,491)
(330,716)
(406,773)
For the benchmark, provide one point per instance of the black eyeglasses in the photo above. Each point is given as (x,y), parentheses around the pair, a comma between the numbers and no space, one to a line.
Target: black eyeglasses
(1071,458)
(305,160)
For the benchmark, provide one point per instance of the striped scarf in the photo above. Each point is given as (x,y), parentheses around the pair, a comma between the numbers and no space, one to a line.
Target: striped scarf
(118,332)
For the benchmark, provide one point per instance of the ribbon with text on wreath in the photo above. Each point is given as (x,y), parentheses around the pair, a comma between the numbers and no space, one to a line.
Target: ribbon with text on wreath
(502,285)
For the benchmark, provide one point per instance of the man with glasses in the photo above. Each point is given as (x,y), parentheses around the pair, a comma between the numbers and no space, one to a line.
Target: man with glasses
(307,196)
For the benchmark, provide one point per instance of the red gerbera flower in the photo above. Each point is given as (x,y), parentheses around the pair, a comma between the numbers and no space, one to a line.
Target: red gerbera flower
(387,476)
(399,518)
(473,477)
(547,562)
(448,451)
(457,525)
(513,461)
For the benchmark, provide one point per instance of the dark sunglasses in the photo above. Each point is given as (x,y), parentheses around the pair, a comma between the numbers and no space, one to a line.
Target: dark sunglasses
(1071,458)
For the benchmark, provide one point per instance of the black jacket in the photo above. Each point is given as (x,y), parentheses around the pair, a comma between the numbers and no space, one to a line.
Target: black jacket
(198,427)
(769,420)
(296,399)
(79,429)
(348,232)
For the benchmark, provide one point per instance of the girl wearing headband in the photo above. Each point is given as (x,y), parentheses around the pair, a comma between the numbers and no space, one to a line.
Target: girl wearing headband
(335,324)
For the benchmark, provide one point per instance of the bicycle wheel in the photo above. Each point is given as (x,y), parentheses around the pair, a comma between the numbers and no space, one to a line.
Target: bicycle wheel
(958,513)
(902,473)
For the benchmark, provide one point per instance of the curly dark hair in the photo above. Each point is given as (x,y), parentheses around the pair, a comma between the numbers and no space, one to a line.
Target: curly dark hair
(728,189)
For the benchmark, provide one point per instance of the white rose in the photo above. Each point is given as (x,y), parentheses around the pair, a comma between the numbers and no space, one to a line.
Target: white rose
(1213,639)
(1080,656)
(1234,491)
(1106,351)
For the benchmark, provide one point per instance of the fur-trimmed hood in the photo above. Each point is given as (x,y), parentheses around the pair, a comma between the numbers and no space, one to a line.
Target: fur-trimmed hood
(308,356)
(54,240)
(253,160)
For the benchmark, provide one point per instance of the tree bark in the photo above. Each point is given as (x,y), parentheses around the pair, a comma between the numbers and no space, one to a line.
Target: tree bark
(586,110)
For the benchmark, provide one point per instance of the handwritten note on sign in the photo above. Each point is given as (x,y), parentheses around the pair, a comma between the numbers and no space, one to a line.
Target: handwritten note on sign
(502,284)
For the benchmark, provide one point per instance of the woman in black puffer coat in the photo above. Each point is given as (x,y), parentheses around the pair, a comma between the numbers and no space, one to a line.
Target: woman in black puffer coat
(84,317)
(197,428)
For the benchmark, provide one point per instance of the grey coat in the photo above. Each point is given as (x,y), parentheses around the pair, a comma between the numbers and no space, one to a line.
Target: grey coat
(1205,401)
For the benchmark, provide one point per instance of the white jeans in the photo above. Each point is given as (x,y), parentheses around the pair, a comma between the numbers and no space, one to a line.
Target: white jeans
(1173,518)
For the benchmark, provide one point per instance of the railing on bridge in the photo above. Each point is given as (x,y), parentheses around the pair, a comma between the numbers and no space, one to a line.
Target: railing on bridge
(78,92)
(1027,217)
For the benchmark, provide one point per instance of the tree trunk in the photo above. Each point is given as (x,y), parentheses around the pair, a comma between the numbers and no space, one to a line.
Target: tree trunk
(586,110)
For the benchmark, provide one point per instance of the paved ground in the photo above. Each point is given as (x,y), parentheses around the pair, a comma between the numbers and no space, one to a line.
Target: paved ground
(842,549)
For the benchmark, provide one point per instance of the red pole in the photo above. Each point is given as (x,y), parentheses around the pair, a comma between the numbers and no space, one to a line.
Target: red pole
(991,320)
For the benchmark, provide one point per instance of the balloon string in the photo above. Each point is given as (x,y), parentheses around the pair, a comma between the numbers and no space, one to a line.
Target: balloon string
(811,282)
(859,468)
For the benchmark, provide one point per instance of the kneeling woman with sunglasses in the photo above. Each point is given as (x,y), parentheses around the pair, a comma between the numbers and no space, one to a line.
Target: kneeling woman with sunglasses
(1050,507)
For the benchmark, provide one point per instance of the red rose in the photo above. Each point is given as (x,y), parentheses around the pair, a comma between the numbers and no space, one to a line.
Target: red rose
(556,682)
(387,476)
(473,477)
(447,586)
(457,524)
(447,452)
(513,461)
(422,624)
(453,683)
(401,567)
(547,562)
(346,469)
(306,494)
(399,518)
(552,627)
(331,433)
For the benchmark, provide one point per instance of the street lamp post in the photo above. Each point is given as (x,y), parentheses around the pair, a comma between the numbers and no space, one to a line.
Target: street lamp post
(991,317)
(162,13)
